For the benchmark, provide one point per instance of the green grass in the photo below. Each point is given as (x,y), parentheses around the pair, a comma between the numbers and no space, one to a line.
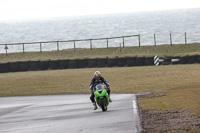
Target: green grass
(160,50)
(175,86)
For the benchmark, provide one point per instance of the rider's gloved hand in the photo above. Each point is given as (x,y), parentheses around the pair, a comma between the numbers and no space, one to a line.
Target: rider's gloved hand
(92,89)
(108,87)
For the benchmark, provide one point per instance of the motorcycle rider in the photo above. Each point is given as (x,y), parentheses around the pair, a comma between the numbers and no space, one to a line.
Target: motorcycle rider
(97,79)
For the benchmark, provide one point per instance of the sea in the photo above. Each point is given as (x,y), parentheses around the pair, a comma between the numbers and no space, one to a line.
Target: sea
(161,23)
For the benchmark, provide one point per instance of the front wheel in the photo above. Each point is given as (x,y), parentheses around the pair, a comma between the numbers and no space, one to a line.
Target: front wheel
(102,102)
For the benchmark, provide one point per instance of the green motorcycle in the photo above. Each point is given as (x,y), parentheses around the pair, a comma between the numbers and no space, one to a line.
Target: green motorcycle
(101,97)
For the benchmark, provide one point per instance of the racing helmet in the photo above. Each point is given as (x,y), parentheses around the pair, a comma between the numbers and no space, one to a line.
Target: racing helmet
(97,74)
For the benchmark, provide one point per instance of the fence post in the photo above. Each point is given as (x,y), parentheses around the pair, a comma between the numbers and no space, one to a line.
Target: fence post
(120,47)
(74,45)
(91,44)
(107,42)
(170,39)
(155,40)
(57,46)
(139,39)
(123,42)
(40,47)
(185,38)
(23,48)
(6,48)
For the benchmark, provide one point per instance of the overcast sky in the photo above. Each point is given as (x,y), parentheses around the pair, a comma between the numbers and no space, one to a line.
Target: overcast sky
(31,9)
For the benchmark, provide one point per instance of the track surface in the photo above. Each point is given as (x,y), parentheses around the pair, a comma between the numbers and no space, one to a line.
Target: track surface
(67,113)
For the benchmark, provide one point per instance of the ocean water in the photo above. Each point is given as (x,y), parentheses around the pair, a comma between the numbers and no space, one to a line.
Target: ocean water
(161,23)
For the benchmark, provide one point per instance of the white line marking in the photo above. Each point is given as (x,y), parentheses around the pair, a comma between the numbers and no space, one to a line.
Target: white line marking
(136,115)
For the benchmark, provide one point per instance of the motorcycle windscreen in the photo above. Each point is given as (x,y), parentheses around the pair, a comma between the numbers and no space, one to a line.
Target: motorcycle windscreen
(100,86)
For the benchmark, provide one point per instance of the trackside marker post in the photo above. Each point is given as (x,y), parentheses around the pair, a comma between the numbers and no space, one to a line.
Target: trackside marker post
(156,60)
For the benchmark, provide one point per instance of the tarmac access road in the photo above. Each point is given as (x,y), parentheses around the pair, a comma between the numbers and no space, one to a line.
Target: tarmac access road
(68,114)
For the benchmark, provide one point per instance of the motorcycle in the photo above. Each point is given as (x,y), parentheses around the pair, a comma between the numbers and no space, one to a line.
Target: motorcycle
(101,97)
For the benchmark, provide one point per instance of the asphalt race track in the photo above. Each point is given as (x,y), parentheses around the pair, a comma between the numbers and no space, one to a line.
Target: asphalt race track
(68,114)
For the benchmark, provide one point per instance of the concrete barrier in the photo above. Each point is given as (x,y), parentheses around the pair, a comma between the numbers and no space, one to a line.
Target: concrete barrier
(34,65)
(63,64)
(167,60)
(148,61)
(97,62)
(192,59)
(92,63)
(161,60)
(111,62)
(24,66)
(198,59)
(44,65)
(82,63)
(175,60)
(184,59)
(73,64)
(4,67)
(101,62)
(122,61)
(131,61)
(140,61)
(14,66)
(54,64)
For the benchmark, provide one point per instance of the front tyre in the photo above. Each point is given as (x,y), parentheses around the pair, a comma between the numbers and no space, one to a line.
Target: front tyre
(102,102)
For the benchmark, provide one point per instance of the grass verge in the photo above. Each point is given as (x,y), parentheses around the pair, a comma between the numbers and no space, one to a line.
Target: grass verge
(160,50)
(173,90)
(178,84)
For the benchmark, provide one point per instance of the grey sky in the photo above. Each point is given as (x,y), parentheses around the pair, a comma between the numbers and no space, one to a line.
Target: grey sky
(31,9)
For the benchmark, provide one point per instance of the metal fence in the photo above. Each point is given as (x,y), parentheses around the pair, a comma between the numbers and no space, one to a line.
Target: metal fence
(90,45)
(72,41)
(170,39)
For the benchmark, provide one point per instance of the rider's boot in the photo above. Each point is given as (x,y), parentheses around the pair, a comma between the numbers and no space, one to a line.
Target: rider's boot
(95,105)
(110,100)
